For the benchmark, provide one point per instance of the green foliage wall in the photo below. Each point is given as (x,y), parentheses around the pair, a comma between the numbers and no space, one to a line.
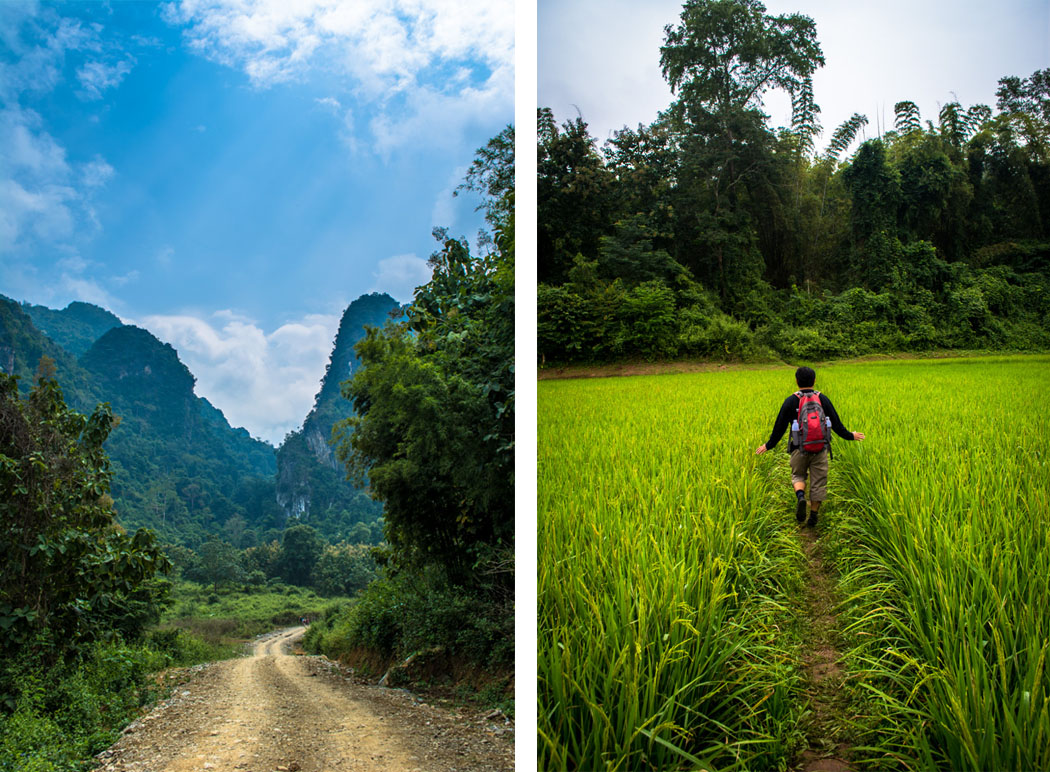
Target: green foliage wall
(710,234)
(69,574)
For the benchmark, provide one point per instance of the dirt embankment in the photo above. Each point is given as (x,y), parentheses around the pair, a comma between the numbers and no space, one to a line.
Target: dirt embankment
(278,712)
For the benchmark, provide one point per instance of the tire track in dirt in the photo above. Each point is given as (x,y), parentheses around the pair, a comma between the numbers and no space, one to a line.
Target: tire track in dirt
(275,711)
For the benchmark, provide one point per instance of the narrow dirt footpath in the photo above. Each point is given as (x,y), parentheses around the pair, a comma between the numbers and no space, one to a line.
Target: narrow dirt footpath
(828,749)
(275,711)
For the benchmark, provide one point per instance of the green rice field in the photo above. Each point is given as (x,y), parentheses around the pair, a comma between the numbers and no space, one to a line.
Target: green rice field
(671,569)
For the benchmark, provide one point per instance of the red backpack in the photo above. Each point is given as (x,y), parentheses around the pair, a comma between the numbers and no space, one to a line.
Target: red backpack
(811,431)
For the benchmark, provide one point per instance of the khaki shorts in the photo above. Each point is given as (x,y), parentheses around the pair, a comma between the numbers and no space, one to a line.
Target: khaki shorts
(816,465)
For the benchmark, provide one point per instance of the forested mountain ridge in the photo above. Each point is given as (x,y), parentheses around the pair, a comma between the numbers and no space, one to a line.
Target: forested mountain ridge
(311,483)
(75,327)
(22,345)
(178,466)
(709,233)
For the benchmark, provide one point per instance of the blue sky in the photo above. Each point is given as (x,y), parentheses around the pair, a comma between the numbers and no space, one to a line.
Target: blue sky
(231,175)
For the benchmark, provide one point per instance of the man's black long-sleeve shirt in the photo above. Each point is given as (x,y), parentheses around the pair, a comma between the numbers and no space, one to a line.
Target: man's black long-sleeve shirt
(789,412)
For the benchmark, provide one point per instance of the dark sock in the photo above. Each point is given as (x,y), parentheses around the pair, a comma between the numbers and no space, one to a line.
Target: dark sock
(800,495)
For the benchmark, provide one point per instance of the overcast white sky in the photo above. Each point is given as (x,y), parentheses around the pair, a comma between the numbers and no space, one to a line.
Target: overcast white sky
(603,57)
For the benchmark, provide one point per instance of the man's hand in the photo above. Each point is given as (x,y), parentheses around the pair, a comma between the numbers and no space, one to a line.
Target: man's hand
(858,436)
(761,449)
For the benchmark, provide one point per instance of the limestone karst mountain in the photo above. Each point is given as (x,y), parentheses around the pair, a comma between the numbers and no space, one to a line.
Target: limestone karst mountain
(310,480)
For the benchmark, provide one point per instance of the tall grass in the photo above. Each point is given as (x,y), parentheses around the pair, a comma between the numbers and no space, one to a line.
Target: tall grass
(944,545)
(230,614)
(666,565)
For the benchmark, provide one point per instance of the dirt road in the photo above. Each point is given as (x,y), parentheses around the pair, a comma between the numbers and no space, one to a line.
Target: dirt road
(275,711)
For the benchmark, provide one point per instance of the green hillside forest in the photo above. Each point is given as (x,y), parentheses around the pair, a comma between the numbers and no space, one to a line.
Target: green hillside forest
(709,233)
(180,468)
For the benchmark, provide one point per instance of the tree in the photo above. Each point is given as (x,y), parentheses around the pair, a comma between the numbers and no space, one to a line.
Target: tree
(434,425)
(68,572)
(434,400)
(844,135)
(574,196)
(264,557)
(344,569)
(725,54)
(300,550)
(1030,95)
(720,60)
(906,117)
(874,186)
(491,174)
(220,563)
(628,254)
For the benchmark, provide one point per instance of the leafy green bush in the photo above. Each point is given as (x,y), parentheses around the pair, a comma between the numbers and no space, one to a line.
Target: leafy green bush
(395,617)
(648,314)
(64,714)
(805,343)
(718,337)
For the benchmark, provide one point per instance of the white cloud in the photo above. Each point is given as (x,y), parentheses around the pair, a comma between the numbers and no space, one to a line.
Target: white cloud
(73,264)
(42,195)
(331,103)
(98,77)
(27,148)
(42,213)
(80,288)
(265,382)
(38,68)
(440,116)
(128,278)
(446,61)
(398,276)
(95,173)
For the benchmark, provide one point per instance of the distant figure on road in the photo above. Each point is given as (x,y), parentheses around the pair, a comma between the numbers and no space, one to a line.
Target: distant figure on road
(812,418)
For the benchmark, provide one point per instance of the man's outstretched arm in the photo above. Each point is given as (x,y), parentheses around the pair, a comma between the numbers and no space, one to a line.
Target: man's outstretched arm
(836,423)
(780,425)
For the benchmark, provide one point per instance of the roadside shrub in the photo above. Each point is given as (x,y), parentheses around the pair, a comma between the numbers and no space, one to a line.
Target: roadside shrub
(181,649)
(398,616)
(375,621)
(873,337)
(74,709)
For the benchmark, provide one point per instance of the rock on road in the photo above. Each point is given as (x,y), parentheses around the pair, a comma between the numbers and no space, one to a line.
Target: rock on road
(276,711)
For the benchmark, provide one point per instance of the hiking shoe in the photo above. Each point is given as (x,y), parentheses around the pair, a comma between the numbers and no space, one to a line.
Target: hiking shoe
(812,519)
(800,510)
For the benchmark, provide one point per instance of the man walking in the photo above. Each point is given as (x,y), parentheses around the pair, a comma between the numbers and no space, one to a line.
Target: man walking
(810,414)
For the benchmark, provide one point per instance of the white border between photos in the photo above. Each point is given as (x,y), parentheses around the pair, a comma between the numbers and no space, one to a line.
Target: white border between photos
(525,385)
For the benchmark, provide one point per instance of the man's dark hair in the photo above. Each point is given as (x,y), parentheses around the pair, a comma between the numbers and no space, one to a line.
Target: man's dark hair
(805,377)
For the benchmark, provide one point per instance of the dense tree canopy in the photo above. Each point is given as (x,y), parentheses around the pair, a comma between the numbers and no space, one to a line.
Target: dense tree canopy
(69,572)
(710,233)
